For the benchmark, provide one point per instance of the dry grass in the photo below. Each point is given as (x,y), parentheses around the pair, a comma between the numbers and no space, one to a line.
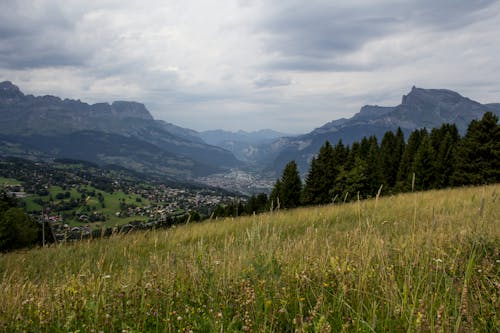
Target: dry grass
(415,262)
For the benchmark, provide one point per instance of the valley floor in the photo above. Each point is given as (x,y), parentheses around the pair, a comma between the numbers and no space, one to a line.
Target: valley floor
(428,261)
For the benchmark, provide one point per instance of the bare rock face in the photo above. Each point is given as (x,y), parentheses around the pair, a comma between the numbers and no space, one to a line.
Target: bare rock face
(130,110)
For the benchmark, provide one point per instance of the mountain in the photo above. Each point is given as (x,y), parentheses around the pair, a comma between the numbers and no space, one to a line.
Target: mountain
(244,145)
(420,108)
(123,133)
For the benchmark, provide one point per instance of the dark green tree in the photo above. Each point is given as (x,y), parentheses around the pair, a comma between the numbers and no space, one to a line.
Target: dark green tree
(424,165)
(275,199)
(373,170)
(478,155)
(444,141)
(321,177)
(291,186)
(391,151)
(356,180)
(17,230)
(405,172)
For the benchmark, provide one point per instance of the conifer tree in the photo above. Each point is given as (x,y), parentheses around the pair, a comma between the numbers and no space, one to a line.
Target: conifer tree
(444,141)
(312,184)
(373,169)
(321,177)
(424,165)
(291,186)
(391,150)
(478,155)
(406,170)
(356,179)
(275,197)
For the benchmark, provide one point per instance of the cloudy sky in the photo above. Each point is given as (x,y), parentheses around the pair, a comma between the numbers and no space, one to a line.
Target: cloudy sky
(289,65)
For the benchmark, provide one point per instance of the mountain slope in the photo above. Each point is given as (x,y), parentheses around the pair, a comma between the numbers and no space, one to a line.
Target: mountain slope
(24,119)
(244,145)
(420,108)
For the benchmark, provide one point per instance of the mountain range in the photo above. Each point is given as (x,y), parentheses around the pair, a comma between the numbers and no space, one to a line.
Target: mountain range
(121,133)
(420,108)
(125,133)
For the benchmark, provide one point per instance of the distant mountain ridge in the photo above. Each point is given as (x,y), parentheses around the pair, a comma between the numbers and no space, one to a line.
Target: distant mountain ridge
(244,145)
(27,121)
(125,133)
(420,108)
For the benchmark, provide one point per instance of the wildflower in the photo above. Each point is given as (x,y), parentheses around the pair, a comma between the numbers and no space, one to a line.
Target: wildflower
(420,316)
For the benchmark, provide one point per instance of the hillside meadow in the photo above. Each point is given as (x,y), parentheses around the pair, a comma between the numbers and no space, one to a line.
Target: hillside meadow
(427,261)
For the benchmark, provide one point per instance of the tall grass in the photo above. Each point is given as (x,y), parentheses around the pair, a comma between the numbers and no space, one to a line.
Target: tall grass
(364,266)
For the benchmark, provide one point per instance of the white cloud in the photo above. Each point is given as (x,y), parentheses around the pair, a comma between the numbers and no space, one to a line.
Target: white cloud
(234,64)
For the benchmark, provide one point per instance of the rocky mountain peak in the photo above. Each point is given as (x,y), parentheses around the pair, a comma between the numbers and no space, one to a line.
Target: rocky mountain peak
(9,90)
(125,109)
(435,96)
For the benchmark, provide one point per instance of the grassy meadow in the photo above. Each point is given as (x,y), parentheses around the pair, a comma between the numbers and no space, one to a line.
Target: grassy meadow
(422,262)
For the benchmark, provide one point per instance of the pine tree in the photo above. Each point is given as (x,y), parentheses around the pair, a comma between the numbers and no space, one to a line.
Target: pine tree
(424,165)
(321,177)
(444,141)
(356,179)
(291,186)
(478,155)
(406,170)
(312,184)
(391,150)
(275,197)
(373,170)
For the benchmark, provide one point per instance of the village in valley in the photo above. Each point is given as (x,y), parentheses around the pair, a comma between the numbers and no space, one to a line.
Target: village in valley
(78,200)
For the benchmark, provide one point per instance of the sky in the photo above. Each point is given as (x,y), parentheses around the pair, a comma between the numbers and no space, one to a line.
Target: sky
(289,65)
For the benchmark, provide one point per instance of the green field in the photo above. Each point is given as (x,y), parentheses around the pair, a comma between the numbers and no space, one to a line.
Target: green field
(8,181)
(111,204)
(423,262)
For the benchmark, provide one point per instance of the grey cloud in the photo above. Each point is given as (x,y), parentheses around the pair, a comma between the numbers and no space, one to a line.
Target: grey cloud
(448,14)
(311,64)
(312,36)
(35,36)
(271,81)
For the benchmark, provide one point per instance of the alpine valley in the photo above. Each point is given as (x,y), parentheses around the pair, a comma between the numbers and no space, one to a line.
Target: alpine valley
(121,133)
(125,134)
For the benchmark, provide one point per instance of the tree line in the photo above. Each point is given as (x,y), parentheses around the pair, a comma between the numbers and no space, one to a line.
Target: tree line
(427,160)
